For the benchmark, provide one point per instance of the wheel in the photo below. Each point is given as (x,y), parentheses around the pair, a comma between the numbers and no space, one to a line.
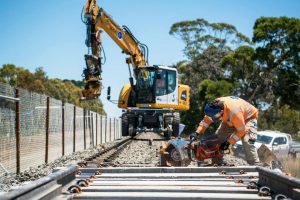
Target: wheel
(125,125)
(167,125)
(131,126)
(167,135)
(175,124)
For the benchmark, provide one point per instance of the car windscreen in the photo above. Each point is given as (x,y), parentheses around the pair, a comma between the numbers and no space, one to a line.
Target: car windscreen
(264,139)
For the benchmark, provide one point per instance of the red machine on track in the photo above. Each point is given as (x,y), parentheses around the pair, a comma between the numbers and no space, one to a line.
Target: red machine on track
(180,152)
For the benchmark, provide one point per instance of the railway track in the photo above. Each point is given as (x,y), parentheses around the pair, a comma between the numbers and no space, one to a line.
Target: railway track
(98,178)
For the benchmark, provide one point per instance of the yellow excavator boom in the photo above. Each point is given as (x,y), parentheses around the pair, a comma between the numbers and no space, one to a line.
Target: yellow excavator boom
(97,20)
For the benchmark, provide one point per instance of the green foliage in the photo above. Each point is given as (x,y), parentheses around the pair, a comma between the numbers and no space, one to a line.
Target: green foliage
(200,34)
(282,118)
(67,90)
(277,53)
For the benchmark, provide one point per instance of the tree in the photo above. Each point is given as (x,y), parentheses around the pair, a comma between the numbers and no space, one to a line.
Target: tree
(8,74)
(242,70)
(67,91)
(277,52)
(282,118)
(199,34)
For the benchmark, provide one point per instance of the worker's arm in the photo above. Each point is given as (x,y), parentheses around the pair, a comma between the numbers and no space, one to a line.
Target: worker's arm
(204,124)
(238,122)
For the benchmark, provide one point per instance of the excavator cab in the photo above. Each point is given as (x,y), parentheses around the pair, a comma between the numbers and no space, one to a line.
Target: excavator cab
(158,87)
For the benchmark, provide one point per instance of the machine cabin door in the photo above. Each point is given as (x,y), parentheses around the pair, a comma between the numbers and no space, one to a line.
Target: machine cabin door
(166,90)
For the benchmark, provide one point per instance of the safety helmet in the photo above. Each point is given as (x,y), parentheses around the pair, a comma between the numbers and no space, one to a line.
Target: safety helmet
(211,110)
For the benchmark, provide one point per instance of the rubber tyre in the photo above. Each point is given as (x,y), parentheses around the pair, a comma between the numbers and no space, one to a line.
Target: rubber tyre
(125,125)
(167,121)
(175,125)
(131,122)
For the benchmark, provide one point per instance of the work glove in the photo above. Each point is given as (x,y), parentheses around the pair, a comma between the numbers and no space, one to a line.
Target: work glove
(194,135)
(224,146)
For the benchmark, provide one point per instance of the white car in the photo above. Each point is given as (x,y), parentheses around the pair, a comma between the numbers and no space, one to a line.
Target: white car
(279,143)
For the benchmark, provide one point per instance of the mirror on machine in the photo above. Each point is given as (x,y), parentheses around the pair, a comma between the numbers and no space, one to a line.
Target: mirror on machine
(108,93)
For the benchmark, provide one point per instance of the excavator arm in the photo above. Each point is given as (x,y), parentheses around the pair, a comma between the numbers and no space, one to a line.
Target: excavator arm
(97,20)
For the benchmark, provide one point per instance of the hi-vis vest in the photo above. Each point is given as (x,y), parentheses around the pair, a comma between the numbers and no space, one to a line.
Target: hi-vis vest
(236,113)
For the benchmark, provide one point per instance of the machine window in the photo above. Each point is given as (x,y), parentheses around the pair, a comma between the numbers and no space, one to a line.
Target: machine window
(171,81)
(161,83)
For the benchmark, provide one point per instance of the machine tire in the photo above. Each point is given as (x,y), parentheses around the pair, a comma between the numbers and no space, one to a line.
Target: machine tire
(125,125)
(167,121)
(131,124)
(175,125)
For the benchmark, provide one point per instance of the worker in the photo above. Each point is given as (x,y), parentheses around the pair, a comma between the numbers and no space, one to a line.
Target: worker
(239,121)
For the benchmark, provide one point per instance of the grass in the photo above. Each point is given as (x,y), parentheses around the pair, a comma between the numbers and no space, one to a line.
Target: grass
(292,166)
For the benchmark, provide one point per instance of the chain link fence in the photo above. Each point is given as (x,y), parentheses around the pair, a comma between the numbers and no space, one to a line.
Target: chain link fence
(36,129)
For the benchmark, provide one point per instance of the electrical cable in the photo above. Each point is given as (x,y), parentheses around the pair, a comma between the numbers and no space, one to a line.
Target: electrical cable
(104,56)
(143,47)
(82,19)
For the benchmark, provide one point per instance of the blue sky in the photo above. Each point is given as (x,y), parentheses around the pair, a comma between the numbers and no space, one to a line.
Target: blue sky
(50,34)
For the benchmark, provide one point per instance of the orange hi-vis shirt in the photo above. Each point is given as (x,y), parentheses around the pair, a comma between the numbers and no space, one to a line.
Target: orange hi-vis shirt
(236,113)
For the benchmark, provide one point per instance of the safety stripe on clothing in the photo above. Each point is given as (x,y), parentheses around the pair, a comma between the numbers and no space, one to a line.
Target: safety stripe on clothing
(211,120)
(240,128)
(235,137)
(233,112)
(202,123)
(249,115)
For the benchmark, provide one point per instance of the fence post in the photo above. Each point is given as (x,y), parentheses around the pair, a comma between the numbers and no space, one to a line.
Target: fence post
(17,132)
(74,129)
(63,127)
(110,129)
(96,129)
(100,129)
(105,128)
(84,126)
(114,128)
(47,129)
(91,119)
(117,128)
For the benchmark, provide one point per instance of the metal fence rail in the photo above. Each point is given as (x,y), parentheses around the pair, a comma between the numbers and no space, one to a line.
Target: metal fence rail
(36,129)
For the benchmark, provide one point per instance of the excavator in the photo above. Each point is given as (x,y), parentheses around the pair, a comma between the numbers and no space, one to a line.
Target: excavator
(152,99)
